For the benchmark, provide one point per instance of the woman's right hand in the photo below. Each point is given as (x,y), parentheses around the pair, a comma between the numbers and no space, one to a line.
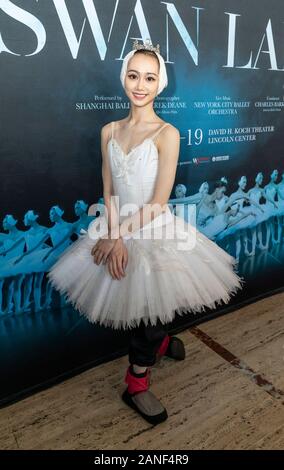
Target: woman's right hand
(117,260)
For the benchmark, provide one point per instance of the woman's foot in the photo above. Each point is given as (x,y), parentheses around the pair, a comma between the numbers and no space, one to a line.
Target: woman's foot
(138,397)
(172,347)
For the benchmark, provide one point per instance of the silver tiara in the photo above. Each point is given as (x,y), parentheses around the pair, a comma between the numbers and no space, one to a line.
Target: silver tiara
(146,45)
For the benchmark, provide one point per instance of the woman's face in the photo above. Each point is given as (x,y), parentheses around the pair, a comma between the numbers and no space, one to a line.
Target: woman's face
(274,175)
(180,192)
(53,214)
(243,182)
(204,188)
(78,209)
(7,222)
(220,192)
(142,79)
(26,220)
(259,178)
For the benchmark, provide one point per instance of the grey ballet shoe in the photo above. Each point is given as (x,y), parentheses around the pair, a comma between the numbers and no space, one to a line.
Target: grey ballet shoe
(176,349)
(172,347)
(147,405)
(138,397)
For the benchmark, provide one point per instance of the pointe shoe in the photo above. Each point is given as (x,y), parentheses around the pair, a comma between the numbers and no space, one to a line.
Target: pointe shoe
(172,347)
(138,397)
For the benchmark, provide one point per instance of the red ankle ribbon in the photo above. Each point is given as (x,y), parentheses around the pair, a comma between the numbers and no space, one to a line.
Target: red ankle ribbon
(137,384)
(164,346)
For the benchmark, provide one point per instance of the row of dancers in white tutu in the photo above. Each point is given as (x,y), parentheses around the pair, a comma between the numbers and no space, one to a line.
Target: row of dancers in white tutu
(26,255)
(246,219)
(253,218)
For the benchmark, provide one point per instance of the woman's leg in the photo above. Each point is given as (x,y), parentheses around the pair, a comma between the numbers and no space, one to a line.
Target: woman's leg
(144,344)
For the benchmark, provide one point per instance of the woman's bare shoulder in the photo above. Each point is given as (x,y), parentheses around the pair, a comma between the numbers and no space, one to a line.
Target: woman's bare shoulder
(171,131)
(106,129)
(168,136)
(171,126)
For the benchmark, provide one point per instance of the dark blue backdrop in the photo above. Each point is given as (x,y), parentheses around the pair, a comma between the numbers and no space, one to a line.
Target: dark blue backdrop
(60,62)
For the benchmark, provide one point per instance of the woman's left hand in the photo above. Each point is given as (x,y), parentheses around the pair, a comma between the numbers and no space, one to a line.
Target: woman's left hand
(102,249)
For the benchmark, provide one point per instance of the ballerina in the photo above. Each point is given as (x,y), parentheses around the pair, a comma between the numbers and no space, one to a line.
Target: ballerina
(242,230)
(12,246)
(271,208)
(119,274)
(207,209)
(255,194)
(221,198)
(180,204)
(84,217)
(30,262)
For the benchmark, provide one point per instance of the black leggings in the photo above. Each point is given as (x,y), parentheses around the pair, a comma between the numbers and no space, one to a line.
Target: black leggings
(145,342)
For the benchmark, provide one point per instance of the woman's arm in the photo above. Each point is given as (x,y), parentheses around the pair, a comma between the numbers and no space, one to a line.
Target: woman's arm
(168,157)
(111,210)
(233,222)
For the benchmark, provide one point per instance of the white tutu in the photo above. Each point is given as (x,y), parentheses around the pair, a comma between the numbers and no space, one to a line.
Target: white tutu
(160,279)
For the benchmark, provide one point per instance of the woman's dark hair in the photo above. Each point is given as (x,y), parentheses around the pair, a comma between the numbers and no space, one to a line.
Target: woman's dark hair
(220,184)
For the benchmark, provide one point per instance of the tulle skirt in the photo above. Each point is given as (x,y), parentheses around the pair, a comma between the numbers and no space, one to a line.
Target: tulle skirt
(164,278)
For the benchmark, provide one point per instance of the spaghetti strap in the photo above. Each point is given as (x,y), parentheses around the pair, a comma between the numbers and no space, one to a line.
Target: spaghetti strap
(159,130)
